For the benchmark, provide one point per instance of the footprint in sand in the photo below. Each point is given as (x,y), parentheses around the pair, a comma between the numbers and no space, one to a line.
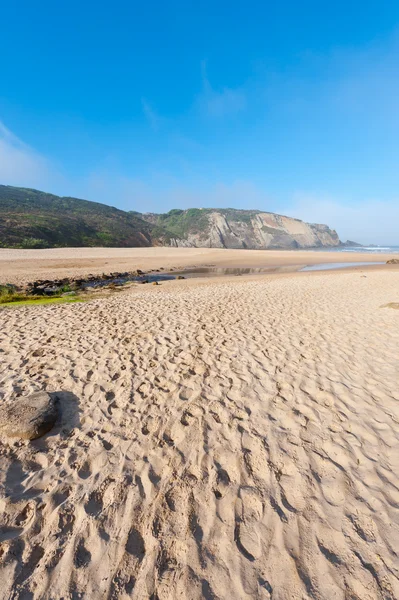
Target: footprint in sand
(249,511)
(292,487)
(82,557)
(151,425)
(135,544)
(85,471)
(186,394)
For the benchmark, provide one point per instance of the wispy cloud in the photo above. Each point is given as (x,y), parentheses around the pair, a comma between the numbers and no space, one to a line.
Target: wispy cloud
(152,117)
(219,103)
(20,164)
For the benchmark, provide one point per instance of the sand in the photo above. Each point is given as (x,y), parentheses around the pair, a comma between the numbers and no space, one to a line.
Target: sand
(230,438)
(22,266)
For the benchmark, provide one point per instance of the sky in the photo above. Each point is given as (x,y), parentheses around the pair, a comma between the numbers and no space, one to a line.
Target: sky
(289,107)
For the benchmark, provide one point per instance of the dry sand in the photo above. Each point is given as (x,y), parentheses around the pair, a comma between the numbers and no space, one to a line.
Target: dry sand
(22,266)
(219,439)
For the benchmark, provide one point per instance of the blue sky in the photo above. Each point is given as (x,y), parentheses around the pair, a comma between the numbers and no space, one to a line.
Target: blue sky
(290,107)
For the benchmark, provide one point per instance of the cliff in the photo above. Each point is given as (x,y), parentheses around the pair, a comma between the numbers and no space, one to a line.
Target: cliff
(231,228)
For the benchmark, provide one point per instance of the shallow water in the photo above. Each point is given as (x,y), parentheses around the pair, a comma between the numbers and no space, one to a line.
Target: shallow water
(197,272)
(338,265)
(217,271)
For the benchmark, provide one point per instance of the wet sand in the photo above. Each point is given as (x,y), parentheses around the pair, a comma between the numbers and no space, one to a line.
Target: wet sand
(23,266)
(226,438)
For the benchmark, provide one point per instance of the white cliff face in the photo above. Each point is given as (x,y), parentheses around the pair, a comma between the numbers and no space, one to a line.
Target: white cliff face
(257,230)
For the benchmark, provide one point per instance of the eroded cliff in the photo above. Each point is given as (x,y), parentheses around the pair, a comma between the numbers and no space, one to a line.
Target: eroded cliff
(231,228)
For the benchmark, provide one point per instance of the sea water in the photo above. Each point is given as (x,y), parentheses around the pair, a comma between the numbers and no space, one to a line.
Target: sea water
(361,250)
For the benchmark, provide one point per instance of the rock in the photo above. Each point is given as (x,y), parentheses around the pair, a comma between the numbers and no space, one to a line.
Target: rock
(180,277)
(155,283)
(28,417)
(69,294)
(393,261)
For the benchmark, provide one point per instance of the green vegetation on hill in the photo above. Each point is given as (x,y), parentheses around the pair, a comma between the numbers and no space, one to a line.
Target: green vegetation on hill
(34,219)
(245,216)
(178,223)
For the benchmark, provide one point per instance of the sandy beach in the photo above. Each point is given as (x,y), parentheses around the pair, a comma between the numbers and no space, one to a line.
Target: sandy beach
(230,438)
(22,266)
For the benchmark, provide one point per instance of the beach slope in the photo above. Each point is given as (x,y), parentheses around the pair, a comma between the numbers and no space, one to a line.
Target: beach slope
(217,439)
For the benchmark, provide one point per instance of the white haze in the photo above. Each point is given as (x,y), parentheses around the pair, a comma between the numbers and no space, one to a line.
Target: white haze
(368,222)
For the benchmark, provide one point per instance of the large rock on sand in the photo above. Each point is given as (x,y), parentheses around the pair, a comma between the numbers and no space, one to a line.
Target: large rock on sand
(28,417)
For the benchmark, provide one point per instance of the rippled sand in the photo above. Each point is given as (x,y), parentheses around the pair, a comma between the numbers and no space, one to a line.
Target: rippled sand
(234,439)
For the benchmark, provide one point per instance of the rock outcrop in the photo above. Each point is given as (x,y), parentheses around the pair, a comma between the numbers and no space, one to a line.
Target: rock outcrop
(230,228)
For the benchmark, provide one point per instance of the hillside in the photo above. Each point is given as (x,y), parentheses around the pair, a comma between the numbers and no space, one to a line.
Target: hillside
(33,219)
(231,228)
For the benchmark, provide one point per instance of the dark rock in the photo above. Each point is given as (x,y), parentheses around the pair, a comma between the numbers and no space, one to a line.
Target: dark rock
(28,417)
(49,291)
(180,277)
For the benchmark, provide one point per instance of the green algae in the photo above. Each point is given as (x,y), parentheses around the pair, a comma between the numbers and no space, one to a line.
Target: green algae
(40,301)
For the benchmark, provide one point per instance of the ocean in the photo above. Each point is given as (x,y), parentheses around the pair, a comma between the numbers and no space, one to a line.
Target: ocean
(363,249)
